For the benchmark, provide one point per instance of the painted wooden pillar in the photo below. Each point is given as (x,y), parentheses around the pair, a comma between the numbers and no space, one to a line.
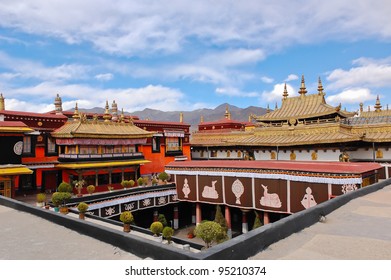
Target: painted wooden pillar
(155,216)
(193,214)
(244,222)
(266,219)
(96,178)
(176,217)
(228,219)
(198,213)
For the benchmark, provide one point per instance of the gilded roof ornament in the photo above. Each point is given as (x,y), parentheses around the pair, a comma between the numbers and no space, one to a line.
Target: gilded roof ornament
(58,105)
(267,109)
(76,115)
(320,87)
(202,119)
(122,116)
(378,105)
(114,111)
(303,89)
(276,106)
(285,94)
(107,116)
(227,114)
(361,107)
(2,103)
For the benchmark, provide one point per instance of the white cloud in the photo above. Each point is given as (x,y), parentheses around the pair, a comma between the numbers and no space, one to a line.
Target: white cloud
(275,95)
(230,91)
(267,80)
(104,77)
(130,99)
(291,77)
(351,96)
(131,28)
(367,73)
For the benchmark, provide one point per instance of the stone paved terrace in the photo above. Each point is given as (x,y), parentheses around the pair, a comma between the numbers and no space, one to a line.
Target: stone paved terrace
(361,229)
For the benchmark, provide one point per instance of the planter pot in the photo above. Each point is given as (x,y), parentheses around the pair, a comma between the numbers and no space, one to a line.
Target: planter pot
(82,216)
(126,227)
(40,204)
(56,209)
(47,206)
(64,210)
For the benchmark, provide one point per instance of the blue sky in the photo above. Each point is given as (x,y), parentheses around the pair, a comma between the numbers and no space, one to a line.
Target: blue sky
(186,55)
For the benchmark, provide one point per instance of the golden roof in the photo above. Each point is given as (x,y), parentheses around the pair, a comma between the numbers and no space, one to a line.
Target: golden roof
(85,129)
(303,107)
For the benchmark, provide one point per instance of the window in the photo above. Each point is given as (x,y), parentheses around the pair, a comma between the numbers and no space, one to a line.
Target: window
(27,145)
(50,145)
(173,144)
(108,149)
(156,144)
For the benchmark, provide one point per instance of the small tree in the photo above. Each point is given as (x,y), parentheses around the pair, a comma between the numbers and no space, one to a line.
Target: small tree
(156,228)
(64,187)
(208,231)
(131,183)
(163,176)
(90,189)
(161,218)
(168,232)
(82,207)
(126,217)
(219,218)
(257,221)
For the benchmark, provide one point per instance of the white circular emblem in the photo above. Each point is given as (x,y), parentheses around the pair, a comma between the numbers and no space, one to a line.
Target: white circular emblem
(18,148)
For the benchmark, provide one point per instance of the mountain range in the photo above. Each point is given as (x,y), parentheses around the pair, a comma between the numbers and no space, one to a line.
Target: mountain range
(192,117)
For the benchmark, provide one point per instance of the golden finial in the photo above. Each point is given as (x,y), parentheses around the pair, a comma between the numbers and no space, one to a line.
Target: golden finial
(2,103)
(378,105)
(114,111)
(226,115)
(285,94)
(303,89)
(267,109)
(202,119)
(95,118)
(122,116)
(361,107)
(320,87)
(276,107)
(76,115)
(107,116)
(181,117)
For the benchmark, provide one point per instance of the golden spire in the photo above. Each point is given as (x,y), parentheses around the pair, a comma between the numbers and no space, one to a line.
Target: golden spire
(58,105)
(227,115)
(202,119)
(76,115)
(303,89)
(181,117)
(361,107)
(378,105)
(285,94)
(320,87)
(122,116)
(276,107)
(2,103)
(267,109)
(107,116)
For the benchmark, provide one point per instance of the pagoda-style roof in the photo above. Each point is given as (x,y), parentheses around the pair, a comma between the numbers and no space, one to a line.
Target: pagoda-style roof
(101,130)
(303,107)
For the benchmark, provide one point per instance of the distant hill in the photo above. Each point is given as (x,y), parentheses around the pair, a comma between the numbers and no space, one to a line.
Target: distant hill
(192,117)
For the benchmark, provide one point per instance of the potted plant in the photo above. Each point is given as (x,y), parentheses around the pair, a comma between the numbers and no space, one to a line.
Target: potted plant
(59,200)
(208,231)
(168,232)
(41,199)
(140,181)
(190,233)
(131,183)
(90,189)
(64,187)
(163,176)
(127,218)
(156,228)
(82,207)
(154,181)
(79,186)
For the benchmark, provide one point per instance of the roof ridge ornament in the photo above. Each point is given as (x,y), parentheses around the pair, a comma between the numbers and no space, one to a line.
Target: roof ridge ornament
(303,89)
(107,116)
(76,115)
(320,87)
(285,94)
(378,106)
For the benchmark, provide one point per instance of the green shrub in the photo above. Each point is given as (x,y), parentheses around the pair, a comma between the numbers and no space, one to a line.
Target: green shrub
(41,197)
(168,232)
(64,187)
(90,189)
(126,217)
(60,198)
(140,181)
(257,221)
(82,207)
(161,218)
(163,176)
(208,231)
(156,228)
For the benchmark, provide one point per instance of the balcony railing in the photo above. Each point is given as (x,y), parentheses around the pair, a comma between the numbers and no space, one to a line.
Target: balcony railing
(96,157)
